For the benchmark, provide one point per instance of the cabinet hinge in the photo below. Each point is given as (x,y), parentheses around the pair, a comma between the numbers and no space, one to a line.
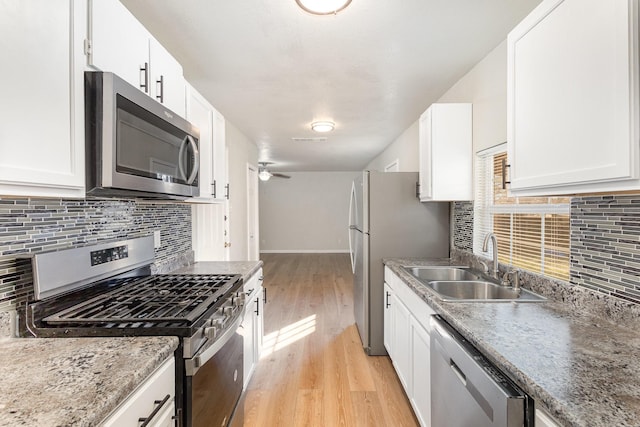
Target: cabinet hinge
(87,47)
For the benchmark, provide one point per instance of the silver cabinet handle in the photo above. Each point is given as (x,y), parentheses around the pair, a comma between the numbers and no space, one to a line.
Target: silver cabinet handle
(214,189)
(144,84)
(159,404)
(227,191)
(161,83)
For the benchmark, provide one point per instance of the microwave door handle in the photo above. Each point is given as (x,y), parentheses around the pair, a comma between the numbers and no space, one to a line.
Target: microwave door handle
(181,167)
(196,155)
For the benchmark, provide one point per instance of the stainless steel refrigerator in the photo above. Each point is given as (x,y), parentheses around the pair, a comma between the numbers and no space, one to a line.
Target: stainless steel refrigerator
(386,220)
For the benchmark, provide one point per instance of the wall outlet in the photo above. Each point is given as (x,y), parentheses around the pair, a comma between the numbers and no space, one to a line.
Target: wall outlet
(156,239)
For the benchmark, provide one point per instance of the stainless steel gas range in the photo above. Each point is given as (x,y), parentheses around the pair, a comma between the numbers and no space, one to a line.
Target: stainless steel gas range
(107,290)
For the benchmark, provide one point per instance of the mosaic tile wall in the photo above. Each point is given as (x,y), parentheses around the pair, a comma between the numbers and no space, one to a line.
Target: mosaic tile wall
(605,245)
(32,225)
(463,226)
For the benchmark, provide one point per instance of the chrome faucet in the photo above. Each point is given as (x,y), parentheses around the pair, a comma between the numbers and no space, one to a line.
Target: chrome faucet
(485,248)
(515,278)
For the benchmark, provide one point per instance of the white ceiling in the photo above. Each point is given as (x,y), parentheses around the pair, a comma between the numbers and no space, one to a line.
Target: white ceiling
(271,68)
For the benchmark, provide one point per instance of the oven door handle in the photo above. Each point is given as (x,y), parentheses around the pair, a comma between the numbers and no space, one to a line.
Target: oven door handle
(205,354)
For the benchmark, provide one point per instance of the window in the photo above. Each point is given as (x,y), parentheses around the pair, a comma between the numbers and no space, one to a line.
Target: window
(532,232)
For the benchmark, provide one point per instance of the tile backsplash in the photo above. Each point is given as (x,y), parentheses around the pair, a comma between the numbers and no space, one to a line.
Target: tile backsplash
(463,226)
(34,225)
(605,243)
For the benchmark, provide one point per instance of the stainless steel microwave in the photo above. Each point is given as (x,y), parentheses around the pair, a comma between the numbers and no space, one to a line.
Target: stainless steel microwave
(135,146)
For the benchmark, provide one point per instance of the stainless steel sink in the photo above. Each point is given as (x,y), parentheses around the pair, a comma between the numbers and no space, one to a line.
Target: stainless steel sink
(480,291)
(459,284)
(441,273)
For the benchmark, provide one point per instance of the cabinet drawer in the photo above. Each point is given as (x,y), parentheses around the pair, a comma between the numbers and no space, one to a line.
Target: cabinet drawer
(142,402)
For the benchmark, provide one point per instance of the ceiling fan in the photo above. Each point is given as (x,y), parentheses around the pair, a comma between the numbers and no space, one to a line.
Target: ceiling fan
(264,174)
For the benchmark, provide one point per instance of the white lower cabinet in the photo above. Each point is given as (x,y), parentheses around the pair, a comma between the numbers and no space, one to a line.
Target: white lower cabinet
(421,372)
(406,336)
(253,324)
(401,341)
(544,420)
(152,401)
(388,327)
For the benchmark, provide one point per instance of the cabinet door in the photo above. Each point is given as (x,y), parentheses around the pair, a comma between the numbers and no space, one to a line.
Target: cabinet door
(200,114)
(544,420)
(145,399)
(258,332)
(573,98)
(445,150)
(119,43)
(167,82)
(401,341)
(420,394)
(248,332)
(42,108)
(219,161)
(388,319)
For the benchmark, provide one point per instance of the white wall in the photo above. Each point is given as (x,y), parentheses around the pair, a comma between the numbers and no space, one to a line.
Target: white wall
(404,148)
(241,151)
(307,213)
(485,86)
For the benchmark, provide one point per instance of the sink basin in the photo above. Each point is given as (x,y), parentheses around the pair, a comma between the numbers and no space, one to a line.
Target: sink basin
(428,274)
(459,284)
(480,291)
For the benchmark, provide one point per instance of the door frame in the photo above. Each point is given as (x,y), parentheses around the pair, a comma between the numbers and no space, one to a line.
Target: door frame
(253,219)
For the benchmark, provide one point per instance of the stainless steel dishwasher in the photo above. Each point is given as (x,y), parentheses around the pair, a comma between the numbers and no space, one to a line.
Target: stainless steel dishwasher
(467,390)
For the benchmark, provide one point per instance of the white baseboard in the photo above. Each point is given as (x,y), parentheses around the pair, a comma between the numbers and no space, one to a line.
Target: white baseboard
(304,251)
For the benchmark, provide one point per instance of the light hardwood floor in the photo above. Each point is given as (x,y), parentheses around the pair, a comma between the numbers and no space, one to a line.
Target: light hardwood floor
(313,371)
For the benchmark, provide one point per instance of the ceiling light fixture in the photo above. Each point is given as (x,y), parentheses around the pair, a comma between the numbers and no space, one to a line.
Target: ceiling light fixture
(323,126)
(323,7)
(264,175)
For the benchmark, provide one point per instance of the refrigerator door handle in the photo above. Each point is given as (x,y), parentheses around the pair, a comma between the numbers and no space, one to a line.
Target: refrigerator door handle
(352,227)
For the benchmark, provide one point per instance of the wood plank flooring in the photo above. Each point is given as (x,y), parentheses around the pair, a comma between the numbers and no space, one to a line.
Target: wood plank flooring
(313,371)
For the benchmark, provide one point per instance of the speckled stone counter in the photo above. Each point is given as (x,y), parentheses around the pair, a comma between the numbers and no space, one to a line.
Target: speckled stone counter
(246,268)
(583,369)
(73,381)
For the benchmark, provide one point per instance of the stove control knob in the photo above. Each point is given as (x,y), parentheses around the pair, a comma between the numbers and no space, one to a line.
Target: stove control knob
(211,332)
(228,310)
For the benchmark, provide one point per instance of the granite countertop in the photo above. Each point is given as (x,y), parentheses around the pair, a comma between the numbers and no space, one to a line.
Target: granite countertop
(583,369)
(245,268)
(73,381)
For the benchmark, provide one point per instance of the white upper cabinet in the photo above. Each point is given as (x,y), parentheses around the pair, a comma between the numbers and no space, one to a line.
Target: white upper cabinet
(446,169)
(220,174)
(167,82)
(212,146)
(122,45)
(42,108)
(573,98)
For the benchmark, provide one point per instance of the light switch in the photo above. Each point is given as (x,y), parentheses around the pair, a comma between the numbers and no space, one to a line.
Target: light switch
(156,239)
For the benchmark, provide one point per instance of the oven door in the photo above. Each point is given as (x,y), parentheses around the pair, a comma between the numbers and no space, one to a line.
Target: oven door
(213,385)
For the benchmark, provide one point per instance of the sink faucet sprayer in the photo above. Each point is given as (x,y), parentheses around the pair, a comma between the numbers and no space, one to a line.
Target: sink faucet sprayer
(485,248)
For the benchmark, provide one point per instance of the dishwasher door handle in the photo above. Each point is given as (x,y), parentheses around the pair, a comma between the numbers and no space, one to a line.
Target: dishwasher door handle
(456,370)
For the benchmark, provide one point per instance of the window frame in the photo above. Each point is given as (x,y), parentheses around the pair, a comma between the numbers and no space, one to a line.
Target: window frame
(485,209)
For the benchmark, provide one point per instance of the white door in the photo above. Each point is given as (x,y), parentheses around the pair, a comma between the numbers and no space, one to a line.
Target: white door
(253,244)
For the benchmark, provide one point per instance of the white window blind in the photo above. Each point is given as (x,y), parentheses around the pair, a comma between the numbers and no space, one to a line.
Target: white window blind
(532,232)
